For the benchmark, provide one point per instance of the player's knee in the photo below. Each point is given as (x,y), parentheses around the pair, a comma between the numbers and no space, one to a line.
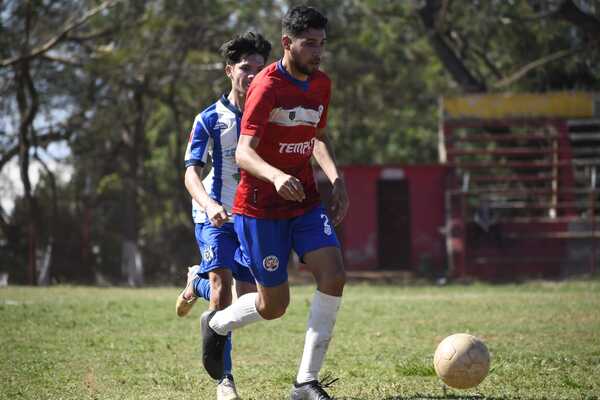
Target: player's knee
(272,310)
(333,282)
(219,279)
(222,296)
(338,279)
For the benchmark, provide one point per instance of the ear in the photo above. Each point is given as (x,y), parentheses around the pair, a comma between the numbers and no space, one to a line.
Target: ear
(286,42)
(228,70)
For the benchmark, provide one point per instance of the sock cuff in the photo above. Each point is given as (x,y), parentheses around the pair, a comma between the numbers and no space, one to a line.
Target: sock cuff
(325,302)
(240,313)
(248,300)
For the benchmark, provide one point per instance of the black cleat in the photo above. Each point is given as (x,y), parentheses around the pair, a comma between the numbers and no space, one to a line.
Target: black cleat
(213,347)
(313,390)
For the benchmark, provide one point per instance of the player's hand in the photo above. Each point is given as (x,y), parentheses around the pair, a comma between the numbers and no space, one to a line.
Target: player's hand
(339,202)
(289,187)
(217,215)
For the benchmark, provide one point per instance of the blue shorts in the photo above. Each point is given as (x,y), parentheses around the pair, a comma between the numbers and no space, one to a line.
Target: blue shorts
(265,244)
(217,248)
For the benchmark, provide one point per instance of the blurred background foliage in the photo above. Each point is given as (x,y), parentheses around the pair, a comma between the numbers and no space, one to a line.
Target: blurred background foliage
(97,100)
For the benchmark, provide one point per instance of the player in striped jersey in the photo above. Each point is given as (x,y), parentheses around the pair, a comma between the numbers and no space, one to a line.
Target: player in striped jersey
(215,134)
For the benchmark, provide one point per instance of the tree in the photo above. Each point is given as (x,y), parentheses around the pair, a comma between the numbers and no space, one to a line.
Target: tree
(482,46)
(32,58)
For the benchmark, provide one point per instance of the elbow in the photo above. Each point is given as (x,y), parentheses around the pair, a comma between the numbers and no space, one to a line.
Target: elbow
(239,157)
(187,176)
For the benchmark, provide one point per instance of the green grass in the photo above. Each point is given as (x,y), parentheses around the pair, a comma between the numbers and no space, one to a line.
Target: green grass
(97,343)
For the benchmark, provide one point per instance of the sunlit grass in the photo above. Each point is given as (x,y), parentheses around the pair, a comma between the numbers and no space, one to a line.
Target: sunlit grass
(98,343)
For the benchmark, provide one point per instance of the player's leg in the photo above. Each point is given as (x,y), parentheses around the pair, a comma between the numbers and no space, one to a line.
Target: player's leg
(198,284)
(226,389)
(265,247)
(244,283)
(316,244)
(242,288)
(220,280)
(187,297)
(327,266)
(217,246)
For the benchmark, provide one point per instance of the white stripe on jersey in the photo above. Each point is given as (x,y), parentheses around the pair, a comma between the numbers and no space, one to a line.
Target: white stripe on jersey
(295,116)
(188,150)
(221,123)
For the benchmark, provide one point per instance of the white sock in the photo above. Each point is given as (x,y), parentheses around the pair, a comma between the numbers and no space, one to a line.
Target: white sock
(321,321)
(237,315)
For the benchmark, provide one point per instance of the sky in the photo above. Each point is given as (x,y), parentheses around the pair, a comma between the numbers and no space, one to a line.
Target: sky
(10,180)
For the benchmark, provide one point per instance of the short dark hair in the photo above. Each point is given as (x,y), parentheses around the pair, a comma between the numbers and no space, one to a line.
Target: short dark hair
(246,44)
(302,18)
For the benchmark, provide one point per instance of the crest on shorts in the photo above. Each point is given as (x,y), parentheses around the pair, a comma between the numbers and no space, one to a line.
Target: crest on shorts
(271,263)
(292,115)
(207,253)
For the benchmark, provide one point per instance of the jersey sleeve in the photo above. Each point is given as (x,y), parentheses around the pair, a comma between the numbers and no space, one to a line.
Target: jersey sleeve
(260,101)
(198,144)
(323,120)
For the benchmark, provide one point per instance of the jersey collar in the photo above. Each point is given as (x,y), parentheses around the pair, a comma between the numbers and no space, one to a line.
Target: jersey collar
(303,85)
(230,106)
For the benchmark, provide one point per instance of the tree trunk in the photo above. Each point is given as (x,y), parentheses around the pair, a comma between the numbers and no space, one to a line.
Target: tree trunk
(28,104)
(131,261)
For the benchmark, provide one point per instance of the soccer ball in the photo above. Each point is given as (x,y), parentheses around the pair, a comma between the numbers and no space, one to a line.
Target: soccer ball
(461,361)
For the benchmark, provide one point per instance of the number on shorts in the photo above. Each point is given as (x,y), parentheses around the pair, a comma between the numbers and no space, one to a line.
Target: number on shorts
(326,227)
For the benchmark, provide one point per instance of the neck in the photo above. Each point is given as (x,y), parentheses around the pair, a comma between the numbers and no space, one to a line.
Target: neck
(237,99)
(291,69)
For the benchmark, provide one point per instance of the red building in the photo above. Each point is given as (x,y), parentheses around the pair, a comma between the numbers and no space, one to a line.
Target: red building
(515,193)
(396,217)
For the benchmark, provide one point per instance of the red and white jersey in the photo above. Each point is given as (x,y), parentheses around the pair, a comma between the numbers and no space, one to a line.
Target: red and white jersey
(285,114)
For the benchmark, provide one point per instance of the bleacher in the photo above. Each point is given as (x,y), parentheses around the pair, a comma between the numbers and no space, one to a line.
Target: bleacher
(522,199)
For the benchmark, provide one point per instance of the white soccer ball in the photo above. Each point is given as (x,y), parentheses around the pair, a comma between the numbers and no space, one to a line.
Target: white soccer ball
(461,361)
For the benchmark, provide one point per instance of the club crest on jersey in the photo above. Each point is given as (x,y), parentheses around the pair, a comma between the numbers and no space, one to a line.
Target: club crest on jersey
(208,253)
(292,115)
(271,263)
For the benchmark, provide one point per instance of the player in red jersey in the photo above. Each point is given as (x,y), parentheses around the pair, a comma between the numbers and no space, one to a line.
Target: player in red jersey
(277,206)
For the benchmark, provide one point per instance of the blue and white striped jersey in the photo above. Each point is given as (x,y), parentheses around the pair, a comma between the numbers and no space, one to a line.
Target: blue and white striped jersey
(215,132)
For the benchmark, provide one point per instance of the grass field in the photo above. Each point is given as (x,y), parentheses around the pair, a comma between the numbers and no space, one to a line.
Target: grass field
(98,343)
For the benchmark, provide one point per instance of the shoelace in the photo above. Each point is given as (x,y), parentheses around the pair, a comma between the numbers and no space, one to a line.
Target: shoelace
(324,383)
(327,381)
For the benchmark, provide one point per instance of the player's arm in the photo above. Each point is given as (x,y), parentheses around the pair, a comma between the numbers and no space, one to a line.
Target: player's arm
(193,183)
(196,156)
(323,154)
(287,186)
